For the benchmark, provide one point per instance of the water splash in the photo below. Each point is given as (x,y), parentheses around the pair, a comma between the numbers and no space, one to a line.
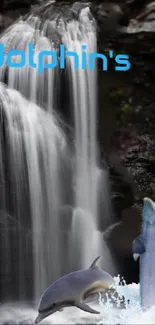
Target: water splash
(131,312)
(110,313)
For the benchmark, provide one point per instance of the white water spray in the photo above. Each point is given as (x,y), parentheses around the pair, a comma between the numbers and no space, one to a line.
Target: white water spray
(110,314)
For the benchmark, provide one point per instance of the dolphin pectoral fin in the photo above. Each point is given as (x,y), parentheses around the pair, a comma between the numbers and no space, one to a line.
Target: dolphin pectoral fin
(138,247)
(96,262)
(86,308)
(136,256)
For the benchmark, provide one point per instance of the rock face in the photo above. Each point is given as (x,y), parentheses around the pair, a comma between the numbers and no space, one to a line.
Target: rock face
(126,128)
(16,4)
(109,16)
(10,10)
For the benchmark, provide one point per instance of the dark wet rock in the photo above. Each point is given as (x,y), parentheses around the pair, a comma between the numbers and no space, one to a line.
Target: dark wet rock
(120,237)
(7,19)
(144,21)
(127,131)
(16,4)
(122,186)
(127,228)
(109,16)
(148,12)
(11,10)
(127,128)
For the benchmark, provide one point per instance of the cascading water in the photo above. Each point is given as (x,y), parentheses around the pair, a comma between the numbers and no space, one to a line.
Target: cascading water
(84,103)
(35,146)
(39,157)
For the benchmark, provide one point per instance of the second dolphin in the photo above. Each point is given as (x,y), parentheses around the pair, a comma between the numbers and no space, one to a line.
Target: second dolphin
(144,247)
(74,289)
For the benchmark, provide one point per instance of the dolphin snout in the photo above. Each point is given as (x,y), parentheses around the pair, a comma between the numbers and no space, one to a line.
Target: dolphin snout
(38,319)
(48,312)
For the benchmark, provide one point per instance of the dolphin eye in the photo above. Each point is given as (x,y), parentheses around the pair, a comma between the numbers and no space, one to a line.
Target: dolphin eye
(54,304)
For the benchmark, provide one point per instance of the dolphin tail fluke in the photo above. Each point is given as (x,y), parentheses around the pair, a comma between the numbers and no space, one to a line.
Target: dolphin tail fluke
(86,308)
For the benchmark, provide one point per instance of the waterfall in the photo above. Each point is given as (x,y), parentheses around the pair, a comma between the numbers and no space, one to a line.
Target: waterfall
(41,172)
(84,102)
(35,146)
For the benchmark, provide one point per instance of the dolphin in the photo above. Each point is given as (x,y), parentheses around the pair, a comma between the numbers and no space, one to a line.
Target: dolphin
(144,247)
(74,289)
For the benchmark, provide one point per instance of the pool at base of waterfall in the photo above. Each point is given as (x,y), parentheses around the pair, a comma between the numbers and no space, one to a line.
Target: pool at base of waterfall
(109,314)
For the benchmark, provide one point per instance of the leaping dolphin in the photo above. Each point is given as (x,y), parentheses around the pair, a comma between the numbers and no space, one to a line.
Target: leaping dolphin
(144,246)
(74,289)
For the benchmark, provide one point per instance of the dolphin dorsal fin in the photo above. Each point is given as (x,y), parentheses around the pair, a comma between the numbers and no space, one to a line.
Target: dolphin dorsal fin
(96,262)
